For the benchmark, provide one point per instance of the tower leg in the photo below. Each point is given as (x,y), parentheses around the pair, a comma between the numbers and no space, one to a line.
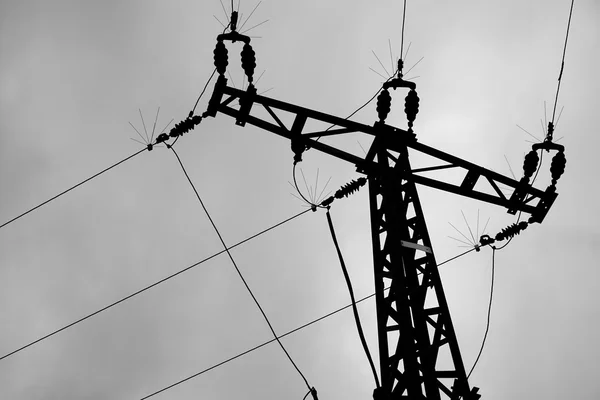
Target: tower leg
(418,349)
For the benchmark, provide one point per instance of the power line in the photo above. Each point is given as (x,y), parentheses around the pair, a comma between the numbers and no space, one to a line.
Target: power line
(361,334)
(72,187)
(402,36)
(151,286)
(361,107)
(487,325)
(239,272)
(204,89)
(562,64)
(314,321)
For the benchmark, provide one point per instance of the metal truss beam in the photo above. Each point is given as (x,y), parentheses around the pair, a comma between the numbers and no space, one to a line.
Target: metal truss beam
(524,197)
(418,349)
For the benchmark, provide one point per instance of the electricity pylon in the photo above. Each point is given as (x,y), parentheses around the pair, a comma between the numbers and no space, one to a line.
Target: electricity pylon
(415,330)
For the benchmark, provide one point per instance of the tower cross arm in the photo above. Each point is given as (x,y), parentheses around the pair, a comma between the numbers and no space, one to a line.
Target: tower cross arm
(473,181)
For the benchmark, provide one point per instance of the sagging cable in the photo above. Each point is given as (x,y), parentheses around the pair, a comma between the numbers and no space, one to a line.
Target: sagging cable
(361,334)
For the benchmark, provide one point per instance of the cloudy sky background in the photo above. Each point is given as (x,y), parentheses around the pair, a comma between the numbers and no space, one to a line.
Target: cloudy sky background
(73,74)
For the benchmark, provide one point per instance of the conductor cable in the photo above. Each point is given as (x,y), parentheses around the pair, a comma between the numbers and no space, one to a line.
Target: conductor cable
(487,325)
(361,334)
(240,273)
(169,277)
(75,186)
(314,321)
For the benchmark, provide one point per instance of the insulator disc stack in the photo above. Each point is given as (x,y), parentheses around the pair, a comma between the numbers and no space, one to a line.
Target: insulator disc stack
(557,167)
(511,231)
(345,191)
(185,126)
(248,61)
(384,105)
(221,58)
(530,164)
(349,188)
(411,107)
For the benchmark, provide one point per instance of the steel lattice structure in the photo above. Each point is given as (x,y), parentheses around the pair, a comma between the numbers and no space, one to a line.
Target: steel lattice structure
(418,349)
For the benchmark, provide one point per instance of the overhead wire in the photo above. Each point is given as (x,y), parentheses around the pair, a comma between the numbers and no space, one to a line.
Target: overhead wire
(361,107)
(169,277)
(389,79)
(204,89)
(359,328)
(73,187)
(489,312)
(402,36)
(239,272)
(314,321)
(562,65)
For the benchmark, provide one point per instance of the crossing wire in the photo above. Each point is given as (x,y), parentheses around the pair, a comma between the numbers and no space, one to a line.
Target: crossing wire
(314,321)
(239,272)
(72,187)
(111,305)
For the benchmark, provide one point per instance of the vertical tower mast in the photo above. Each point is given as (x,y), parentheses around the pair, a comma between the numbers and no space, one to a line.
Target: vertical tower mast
(413,321)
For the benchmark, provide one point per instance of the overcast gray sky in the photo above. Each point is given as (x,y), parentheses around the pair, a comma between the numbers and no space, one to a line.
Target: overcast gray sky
(73,74)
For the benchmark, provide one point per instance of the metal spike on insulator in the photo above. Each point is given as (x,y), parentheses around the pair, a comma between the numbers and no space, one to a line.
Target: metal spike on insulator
(550,133)
(400,67)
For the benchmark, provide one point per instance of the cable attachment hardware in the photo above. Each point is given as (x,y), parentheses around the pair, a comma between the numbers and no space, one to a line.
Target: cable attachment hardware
(507,233)
(400,67)
(384,105)
(233,21)
(184,126)
(411,107)
(298,148)
(163,137)
(345,191)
